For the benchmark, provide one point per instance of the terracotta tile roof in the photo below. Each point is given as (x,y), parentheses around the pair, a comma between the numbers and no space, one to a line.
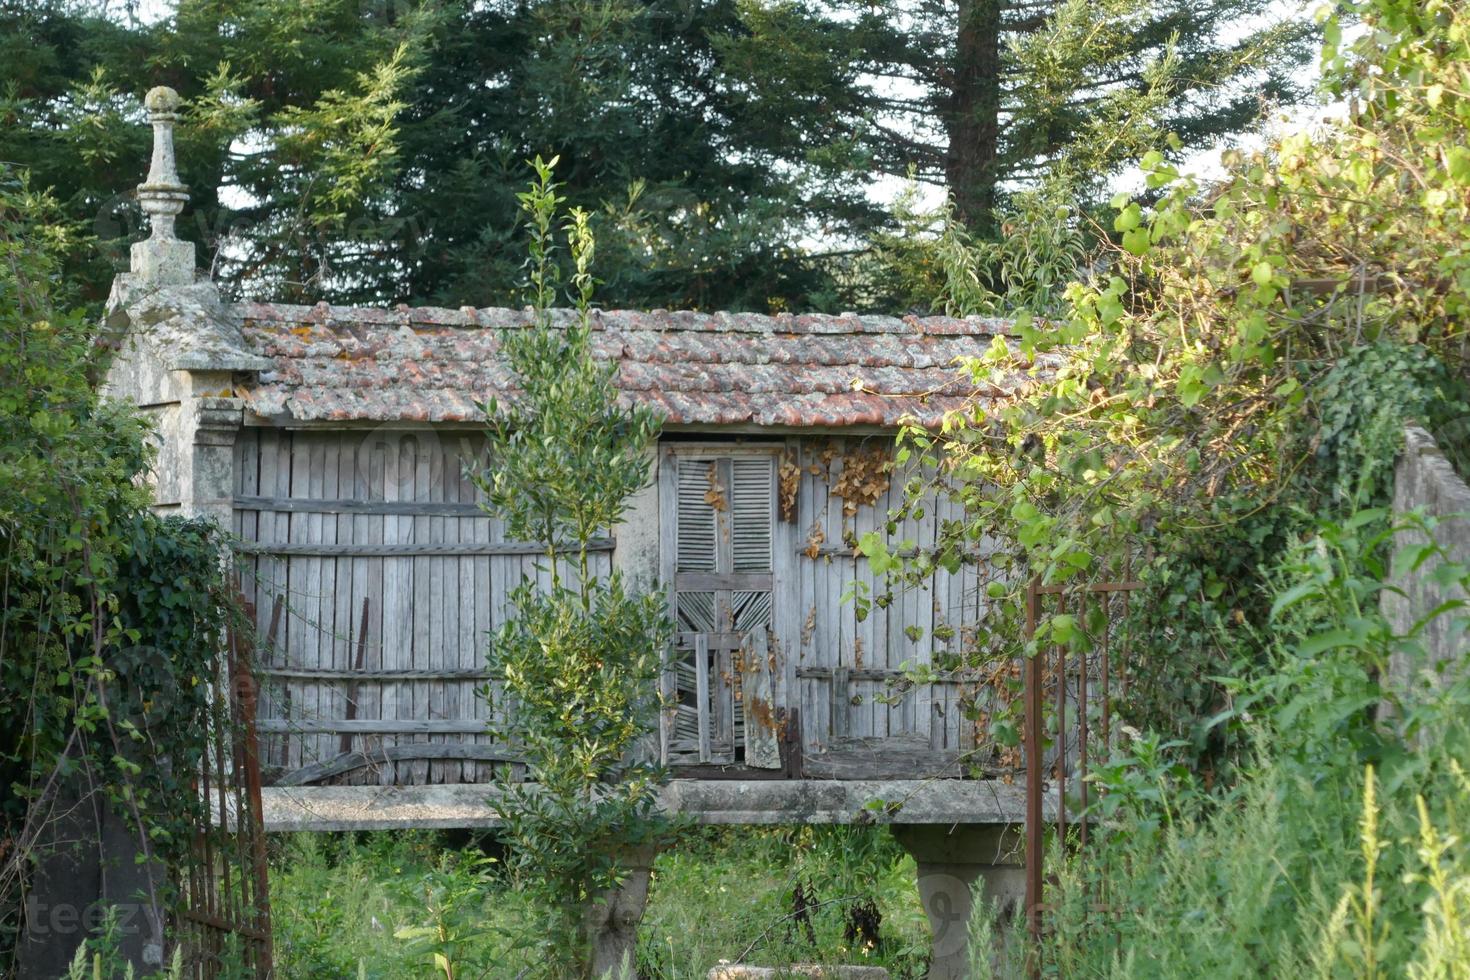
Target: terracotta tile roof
(423,364)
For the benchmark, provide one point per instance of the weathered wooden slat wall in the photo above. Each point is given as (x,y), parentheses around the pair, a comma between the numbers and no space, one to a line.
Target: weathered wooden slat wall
(848,671)
(382,517)
(381,527)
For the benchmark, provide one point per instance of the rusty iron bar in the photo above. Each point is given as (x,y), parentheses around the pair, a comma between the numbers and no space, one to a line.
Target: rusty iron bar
(250,752)
(1034,697)
(1082,723)
(1061,760)
(1034,830)
(1107,706)
(225,885)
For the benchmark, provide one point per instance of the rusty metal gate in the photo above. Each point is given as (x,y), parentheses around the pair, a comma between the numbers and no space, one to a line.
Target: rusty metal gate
(1086,674)
(223,922)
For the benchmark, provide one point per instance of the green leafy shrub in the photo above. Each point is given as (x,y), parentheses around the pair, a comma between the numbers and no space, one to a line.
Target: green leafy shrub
(579,659)
(111,618)
(1239,366)
(1336,853)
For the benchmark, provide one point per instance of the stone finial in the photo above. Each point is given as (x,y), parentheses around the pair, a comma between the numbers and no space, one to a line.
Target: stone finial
(163,260)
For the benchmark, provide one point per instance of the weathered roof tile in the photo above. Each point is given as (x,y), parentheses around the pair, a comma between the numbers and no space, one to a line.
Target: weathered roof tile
(426,364)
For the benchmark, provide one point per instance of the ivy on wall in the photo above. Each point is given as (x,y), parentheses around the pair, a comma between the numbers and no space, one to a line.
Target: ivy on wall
(1238,366)
(112,618)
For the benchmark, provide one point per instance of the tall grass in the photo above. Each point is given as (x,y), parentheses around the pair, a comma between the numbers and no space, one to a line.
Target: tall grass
(383,905)
(1339,850)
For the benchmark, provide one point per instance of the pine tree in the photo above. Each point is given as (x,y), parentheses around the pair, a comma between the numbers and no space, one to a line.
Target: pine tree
(371,150)
(983,97)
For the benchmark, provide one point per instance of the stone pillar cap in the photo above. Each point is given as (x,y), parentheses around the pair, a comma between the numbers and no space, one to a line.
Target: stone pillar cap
(163,260)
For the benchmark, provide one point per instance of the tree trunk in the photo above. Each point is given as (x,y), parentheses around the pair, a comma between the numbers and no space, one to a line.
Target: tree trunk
(972,119)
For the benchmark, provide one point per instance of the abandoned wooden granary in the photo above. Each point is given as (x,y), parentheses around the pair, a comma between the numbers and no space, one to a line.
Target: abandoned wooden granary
(377,577)
(351,499)
(334,442)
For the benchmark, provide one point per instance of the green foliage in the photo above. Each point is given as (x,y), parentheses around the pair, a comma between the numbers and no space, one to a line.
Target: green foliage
(384,905)
(929,86)
(112,617)
(1335,852)
(342,901)
(578,662)
(931,261)
(1243,367)
(369,150)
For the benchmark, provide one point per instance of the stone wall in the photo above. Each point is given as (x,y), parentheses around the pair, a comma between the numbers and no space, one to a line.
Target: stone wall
(1424,478)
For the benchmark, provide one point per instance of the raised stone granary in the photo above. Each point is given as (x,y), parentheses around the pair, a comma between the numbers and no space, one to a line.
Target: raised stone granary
(333,442)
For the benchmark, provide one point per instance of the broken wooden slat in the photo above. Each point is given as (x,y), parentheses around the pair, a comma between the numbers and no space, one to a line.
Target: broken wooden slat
(701,688)
(350,695)
(793,765)
(349,761)
(762,738)
(405,549)
(841,702)
(882,757)
(385,726)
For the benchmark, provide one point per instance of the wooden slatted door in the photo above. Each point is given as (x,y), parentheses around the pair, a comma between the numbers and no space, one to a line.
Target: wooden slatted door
(718,517)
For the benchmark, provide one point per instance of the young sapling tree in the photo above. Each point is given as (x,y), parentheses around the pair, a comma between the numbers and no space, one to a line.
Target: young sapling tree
(576,665)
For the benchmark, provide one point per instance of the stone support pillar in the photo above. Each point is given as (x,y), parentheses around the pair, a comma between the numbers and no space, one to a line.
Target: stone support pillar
(951,860)
(612,921)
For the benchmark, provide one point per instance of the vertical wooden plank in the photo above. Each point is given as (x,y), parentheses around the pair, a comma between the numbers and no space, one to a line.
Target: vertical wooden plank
(300,643)
(269,570)
(461,700)
(874,652)
(425,595)
(816,694)
(668,550)
(825,641)
(724,680)
(925,601)
(291,756)
(501,573)
(368,582)
(269,704)
(449,589)
(349,628)
(330,641)
(395,589)
(786,609)
(762,736)
(702,694)
(433,657)
(842,618)
(841,710)
(956,613)
(247,483)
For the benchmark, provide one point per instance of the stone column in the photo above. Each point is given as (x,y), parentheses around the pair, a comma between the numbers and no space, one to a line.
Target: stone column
(612,921)
(211,428)
(951,859)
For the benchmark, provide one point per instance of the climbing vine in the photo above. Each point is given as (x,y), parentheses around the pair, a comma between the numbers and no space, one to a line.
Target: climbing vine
(1242,363)
(112,618)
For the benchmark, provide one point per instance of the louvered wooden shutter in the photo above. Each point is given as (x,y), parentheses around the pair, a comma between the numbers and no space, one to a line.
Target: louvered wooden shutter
(723,514)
